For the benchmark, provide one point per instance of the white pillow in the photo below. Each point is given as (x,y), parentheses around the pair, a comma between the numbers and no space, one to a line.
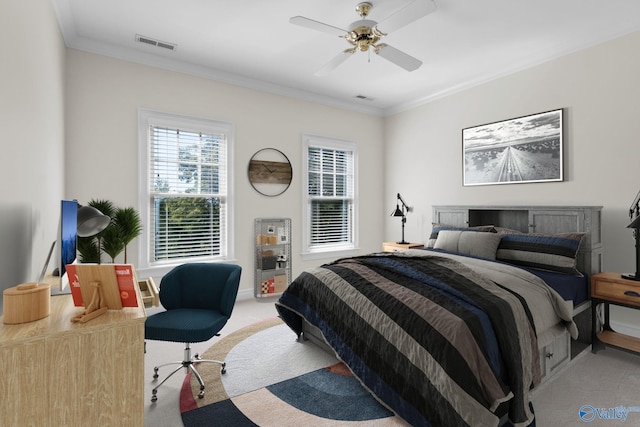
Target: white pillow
(448,240)
(482,245)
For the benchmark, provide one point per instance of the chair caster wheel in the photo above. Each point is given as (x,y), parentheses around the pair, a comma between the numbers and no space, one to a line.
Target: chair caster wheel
(201,394)
(154,398)
(223,370)
(155,373)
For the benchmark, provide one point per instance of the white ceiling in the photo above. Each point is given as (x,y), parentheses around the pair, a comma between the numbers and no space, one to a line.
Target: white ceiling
(252,43)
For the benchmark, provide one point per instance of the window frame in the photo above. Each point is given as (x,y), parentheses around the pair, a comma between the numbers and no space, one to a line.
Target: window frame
(146,118)
(309,252)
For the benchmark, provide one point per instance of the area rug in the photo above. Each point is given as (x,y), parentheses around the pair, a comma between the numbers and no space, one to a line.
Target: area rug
(274,380)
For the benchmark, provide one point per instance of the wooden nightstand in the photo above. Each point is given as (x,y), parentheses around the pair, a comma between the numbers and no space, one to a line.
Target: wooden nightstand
(395,247)
(611,288)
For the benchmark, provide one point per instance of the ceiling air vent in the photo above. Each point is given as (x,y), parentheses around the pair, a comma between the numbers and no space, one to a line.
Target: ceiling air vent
(364,97)
(154,42)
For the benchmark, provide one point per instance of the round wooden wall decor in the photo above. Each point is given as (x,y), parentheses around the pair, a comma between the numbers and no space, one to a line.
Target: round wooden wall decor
(270,172)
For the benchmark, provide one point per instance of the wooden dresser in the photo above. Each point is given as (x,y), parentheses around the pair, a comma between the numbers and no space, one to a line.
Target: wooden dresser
(57,373)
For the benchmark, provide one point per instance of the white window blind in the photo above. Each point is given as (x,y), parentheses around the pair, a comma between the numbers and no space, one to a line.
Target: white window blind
(187,196)
(330,195)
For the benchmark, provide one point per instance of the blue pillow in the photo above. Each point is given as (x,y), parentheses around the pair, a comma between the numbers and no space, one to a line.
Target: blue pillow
(552,252)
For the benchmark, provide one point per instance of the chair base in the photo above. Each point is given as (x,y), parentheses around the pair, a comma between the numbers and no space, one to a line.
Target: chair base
(187,363)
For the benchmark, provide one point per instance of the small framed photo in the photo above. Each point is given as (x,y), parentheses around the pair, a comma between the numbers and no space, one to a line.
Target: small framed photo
(514,151)
(282,236)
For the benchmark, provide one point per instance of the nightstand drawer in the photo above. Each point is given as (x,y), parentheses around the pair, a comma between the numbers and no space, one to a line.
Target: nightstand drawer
(616,291)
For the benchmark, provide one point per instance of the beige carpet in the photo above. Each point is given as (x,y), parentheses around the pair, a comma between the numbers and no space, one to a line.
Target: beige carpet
(595,389)
(608,379)
(597,384)
(215,390)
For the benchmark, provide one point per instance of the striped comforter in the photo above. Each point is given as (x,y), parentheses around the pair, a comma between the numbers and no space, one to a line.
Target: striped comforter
(437,342)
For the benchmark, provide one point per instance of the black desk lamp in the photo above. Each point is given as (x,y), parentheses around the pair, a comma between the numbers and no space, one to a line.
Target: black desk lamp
(400,211)
(91,221)
(634,214)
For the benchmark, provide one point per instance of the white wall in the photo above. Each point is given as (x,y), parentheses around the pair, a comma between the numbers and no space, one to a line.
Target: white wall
(600,91)
(32,140)
(421,148)
(103,97)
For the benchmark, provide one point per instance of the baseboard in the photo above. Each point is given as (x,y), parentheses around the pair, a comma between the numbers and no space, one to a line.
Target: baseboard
(247,294)
(244,294)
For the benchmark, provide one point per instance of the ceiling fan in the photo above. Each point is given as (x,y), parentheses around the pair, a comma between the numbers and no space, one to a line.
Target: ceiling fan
(364,34)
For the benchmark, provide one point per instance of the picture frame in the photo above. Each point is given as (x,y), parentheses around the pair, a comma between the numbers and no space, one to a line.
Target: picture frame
(515,151)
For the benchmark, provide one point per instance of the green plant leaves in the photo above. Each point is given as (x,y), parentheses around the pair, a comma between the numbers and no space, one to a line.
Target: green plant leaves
(125,226)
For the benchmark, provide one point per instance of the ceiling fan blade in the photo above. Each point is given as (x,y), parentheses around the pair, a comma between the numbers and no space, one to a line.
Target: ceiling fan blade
(411,12)
(334,63)
(318,26)
(398,57)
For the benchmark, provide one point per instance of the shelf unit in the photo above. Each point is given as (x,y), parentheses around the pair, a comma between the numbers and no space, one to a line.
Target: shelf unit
(272,256)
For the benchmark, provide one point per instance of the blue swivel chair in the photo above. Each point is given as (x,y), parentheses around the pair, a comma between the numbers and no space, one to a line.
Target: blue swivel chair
(199,299)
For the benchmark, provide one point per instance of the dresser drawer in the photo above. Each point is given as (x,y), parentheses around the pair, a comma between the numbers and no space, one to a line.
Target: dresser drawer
(619,291)
(555,355)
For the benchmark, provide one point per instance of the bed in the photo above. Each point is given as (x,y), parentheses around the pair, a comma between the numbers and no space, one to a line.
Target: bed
(449,335)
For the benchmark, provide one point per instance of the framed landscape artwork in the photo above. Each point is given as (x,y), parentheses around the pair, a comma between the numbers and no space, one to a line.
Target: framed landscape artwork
(520,150)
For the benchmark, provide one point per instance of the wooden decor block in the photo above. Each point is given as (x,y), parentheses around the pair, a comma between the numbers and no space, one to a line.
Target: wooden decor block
(106,275)
(26,302)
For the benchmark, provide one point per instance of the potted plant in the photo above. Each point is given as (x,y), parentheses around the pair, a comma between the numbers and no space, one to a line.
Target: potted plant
(125,226)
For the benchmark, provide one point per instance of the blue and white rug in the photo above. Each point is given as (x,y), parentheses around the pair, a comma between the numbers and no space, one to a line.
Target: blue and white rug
(274,380)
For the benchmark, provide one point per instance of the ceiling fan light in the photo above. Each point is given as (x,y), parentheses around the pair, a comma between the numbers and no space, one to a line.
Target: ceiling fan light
(364,33)
(377,33)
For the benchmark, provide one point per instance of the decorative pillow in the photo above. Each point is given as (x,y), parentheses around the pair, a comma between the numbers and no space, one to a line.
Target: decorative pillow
(439,227)
(504,230)
(553,252)
(447,240)
(473,243)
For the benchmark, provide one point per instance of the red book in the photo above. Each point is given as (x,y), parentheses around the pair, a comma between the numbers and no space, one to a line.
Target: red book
(126,284)
(74,284)
(124,277)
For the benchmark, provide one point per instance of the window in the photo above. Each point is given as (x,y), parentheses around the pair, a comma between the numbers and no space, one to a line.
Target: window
(184,189)
(330,196)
